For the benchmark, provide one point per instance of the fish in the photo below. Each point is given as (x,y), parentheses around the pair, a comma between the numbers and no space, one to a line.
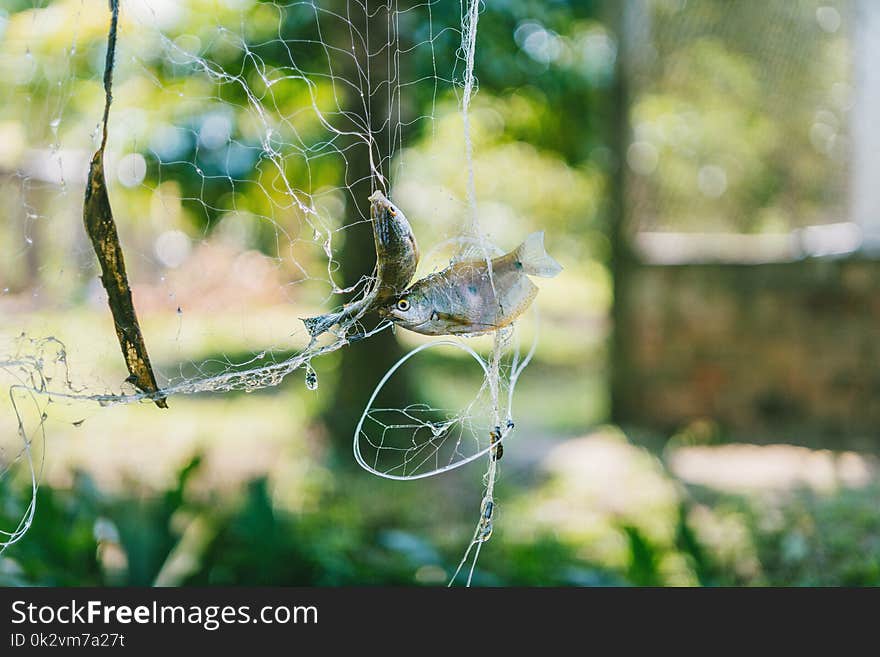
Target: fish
(397,251)
(397,258)
(465,299)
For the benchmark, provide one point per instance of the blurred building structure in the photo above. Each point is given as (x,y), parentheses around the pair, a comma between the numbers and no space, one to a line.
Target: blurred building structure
(747,292)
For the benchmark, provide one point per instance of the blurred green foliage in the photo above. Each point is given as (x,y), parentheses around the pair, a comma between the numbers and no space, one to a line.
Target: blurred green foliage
(83,537)
(719,100)
(274,56)
(731,131)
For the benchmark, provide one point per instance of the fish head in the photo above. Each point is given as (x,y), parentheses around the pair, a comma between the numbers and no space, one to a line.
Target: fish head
(410,309)
(382,208)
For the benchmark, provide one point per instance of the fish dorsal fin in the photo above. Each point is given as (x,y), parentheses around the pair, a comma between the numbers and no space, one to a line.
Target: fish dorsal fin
(471,249)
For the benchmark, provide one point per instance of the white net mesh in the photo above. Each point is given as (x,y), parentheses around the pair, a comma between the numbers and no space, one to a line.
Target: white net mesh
(725,99)
(241,152)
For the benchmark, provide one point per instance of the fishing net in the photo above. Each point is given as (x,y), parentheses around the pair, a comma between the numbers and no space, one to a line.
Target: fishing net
(724,98)
(242,143)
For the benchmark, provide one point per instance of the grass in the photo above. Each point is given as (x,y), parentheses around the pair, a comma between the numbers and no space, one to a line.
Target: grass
(245,488)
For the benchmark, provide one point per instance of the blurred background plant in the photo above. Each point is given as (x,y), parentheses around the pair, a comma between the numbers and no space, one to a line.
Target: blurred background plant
(667,114)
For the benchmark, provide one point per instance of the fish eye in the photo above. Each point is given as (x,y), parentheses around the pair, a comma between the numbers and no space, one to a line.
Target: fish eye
(403,305)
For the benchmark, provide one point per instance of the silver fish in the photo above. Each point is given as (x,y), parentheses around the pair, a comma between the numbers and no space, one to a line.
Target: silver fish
(465,299)
(397,256)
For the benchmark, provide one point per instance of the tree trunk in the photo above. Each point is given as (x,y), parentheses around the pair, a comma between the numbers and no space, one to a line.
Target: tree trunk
(628,19)
(364,362)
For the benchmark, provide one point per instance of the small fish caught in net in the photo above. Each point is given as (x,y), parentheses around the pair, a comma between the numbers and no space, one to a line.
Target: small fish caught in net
(243,158)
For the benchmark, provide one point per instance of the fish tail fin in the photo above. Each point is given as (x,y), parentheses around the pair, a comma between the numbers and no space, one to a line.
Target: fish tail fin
(534,259)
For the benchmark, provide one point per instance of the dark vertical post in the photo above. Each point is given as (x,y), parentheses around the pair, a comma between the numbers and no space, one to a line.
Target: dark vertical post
(622,257)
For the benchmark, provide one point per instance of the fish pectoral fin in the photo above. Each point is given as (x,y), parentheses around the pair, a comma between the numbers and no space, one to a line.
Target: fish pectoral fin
(460,320)
(450,318)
